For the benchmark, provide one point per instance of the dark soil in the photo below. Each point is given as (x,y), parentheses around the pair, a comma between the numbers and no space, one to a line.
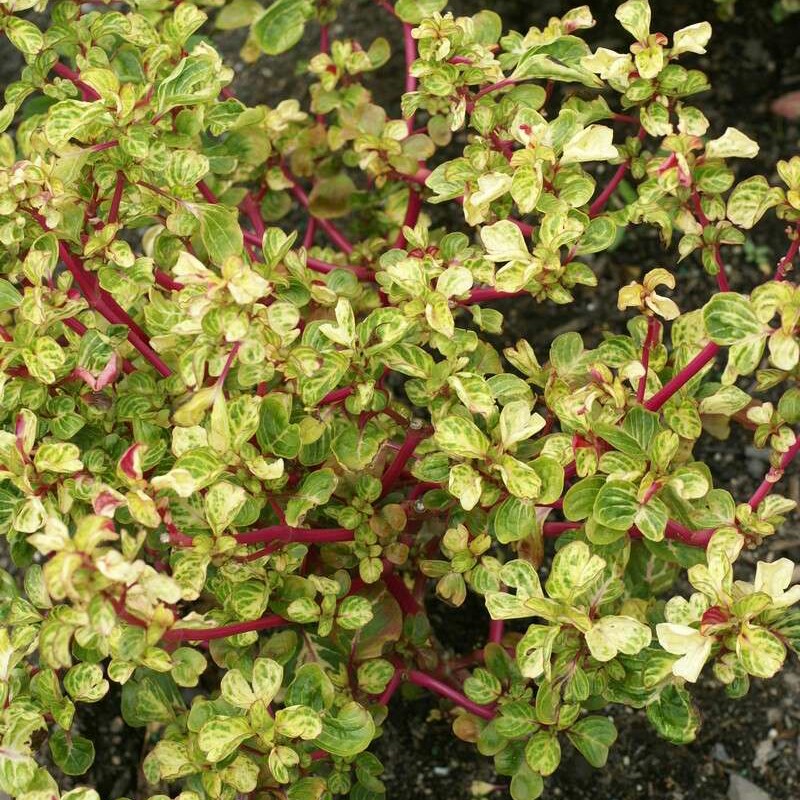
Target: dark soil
(751,61)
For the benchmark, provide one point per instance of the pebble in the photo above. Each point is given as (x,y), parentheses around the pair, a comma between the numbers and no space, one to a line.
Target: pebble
(742,789)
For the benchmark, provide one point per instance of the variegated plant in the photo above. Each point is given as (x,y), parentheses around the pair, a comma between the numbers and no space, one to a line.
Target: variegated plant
(233,458)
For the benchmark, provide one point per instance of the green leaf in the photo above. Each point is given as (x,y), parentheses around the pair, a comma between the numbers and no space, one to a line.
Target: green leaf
(347,733)
(594,143)
(220,736)
(634,16)
(673,715)
(281,26)
(616,505)
(592,737)
(9,296)
(543,752)
(298,722)
(223,501)
(73,754)
(219,231)
(414,11)
(461,438)
(63,457)
(730,318)
(315,490)
(612,635)
(750,200)
(760,651)
(574,569)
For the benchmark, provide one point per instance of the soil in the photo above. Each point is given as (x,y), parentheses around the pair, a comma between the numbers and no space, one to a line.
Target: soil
(751,61)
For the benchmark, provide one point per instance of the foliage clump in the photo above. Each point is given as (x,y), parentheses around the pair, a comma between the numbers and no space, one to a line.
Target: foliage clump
(235,456)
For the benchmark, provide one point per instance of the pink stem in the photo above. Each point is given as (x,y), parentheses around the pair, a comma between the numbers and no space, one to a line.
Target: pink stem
(649,343)
(64,71)
(496,629)
(413,438)
(333,233)
(434,685)
(116,199)
(774,475)
(391,688)
(286,533)
(597,206)
(786,262)
(408,605)
(493,87)
(486,295)
(336,396)
(208,195)
(683,377)
(410,52)
(207,634)
(412,215)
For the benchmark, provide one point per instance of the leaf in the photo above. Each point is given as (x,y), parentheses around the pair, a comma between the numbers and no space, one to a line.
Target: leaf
(63,457)
(535,64)
(730,318)
(504,242)
(760,651)
(673,715)
(73,754)
(24,35)
(298,722)
(732,144)
(594,143)
(9,296)
(543,752)
(347,733)
(691,39)
(593,736)
(219,231)
(220,736)
(612,635)
(414,11)
(223,501)
(461,438)
(315,490)
(634,16)
(281,26)
(574,569)
(616,505)
(750,200)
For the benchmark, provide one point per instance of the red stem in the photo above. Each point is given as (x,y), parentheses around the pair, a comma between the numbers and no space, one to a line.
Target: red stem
(435,685)
(286,533)
(333,233)
(391,688)
(774,475)
(63,71)
(408,604)
(207,634)
(413,438)
(786,262)
(683,377)
(113,211)
(496,629)
(597,206)
(649,343)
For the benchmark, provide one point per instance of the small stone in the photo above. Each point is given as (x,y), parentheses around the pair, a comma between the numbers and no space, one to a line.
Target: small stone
(742,789)
(441,772)
(719,753)
(765,752)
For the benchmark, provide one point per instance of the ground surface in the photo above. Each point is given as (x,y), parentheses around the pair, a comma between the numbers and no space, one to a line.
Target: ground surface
(751,62)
